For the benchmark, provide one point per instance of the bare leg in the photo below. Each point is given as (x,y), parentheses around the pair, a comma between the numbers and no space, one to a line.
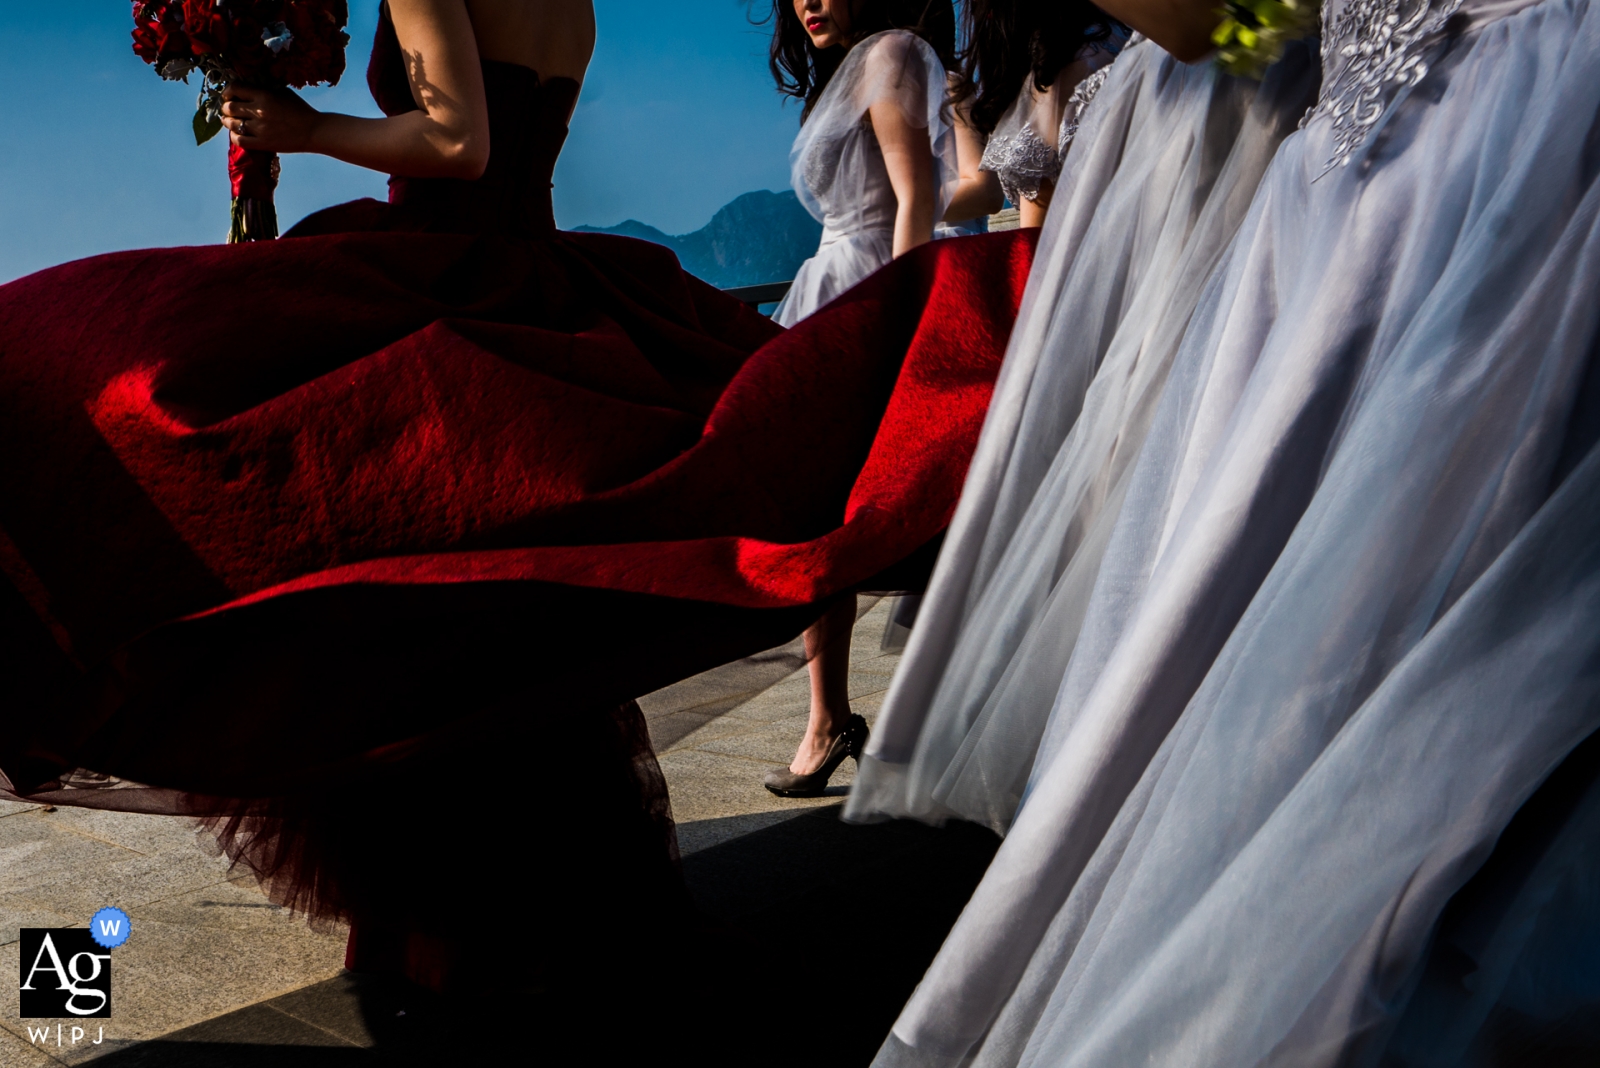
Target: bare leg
(828,661)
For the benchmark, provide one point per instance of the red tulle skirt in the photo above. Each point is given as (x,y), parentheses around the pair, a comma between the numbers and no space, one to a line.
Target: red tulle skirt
(333,529)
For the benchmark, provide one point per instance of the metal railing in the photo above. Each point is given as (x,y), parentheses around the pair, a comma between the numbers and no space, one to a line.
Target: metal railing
(766,293)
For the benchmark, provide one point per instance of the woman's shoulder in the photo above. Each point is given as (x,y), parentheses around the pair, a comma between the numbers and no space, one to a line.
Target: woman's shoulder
(898,48)
(894,64)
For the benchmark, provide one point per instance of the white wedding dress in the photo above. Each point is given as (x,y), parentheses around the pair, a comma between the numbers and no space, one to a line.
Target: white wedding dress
(1162,172)
(1346,619)
(837,170)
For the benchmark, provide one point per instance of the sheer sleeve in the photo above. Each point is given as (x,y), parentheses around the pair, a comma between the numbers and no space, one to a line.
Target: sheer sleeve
(897,67)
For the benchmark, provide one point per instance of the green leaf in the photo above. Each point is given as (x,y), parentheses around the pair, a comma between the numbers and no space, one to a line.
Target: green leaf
(1271,13)
(206,126)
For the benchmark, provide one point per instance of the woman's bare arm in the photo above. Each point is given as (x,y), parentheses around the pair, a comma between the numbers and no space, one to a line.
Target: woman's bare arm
(908,157)
(979,191)
(1182,27)
(1031,214)
(447,138)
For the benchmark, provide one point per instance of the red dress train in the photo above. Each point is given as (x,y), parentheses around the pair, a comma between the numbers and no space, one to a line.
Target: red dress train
(327,536)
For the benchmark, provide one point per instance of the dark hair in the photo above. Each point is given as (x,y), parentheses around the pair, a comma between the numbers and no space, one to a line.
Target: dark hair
(1007,40)
(803,71)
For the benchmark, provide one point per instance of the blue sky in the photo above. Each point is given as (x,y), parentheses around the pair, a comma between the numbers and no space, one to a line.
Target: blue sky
(677,117)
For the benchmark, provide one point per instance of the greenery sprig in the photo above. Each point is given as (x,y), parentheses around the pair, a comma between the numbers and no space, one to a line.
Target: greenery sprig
(1254,33)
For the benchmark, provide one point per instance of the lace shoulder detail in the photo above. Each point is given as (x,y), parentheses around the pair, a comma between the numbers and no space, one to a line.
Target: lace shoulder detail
(1019,156)
(1022,162)
(1072,117)
(1372,52)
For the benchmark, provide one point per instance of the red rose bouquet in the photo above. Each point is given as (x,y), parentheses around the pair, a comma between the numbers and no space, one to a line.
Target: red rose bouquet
(268,44)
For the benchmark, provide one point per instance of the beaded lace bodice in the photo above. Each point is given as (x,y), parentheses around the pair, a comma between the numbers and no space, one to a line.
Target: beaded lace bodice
(1374,52)
(1016,153)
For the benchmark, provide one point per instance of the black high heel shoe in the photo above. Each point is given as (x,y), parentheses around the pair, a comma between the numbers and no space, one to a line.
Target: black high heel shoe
(850,743)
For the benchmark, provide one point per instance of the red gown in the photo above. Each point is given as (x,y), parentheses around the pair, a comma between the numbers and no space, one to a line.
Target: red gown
(404,505)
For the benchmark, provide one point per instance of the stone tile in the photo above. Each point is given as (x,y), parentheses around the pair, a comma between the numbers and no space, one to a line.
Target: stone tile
(167,977)
(876,661)
(195,958)
(16,914)
(397,1018)
(695,730)
(703,834)
(13,808)
(705,786)
(18,1052)
(232,905)
(789,698)
(670,729)
(259,1025)
(863,683)
(868,705)
(771,743)
(725,687)
(334,1005)
(864,647)
(46,866)
(140,832)
(871,622)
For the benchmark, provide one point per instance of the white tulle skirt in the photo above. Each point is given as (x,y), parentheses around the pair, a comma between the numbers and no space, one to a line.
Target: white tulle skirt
(1347,619)
(841,261)
(1157,182)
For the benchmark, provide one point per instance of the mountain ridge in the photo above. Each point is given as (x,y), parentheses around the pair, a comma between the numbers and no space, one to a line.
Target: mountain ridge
(756,237)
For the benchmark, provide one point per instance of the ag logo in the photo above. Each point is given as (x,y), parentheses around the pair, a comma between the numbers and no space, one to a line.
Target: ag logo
(65,975)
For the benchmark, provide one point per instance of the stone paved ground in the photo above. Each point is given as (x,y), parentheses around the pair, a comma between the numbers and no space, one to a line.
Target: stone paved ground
(801,913)
(202,945)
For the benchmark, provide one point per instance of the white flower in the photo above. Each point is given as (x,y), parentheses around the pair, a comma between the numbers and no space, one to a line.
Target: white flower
(277,37)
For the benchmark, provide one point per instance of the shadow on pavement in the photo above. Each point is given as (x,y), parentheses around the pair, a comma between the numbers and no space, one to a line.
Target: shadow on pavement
(811,936)
(830,926)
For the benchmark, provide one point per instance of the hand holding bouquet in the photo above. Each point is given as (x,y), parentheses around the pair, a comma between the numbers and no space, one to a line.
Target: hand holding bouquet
(266,44)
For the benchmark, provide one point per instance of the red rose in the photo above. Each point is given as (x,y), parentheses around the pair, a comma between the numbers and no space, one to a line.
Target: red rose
(208,26)
(158,34)
(316,48)
(308,34)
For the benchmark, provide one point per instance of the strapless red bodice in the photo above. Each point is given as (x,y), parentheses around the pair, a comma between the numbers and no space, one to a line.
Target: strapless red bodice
(527,127)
